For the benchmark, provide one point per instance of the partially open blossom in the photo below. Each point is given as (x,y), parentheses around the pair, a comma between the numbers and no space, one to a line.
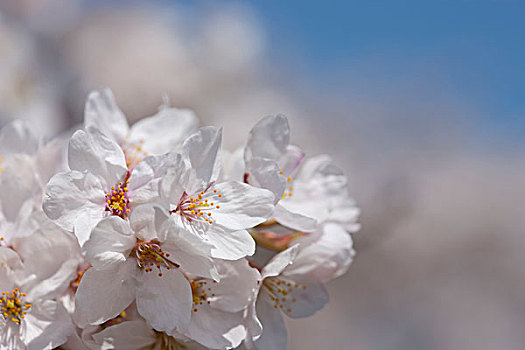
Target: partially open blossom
(272,163)
(320,192)
(310,191)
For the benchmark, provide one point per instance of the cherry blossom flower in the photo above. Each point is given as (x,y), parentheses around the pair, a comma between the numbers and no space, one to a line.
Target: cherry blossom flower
(226,301)
(154,135)
(145,238)
(293,284)
(310,190)
(136,334)
(320,192)
(99,183)
(26,164)
(221,212)
(145,258)
(34,271)
(271,163)
(29,322)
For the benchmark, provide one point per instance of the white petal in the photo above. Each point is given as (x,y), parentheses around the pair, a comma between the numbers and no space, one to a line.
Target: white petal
(293,220)
(52,256)
(145,179)
(172,185)
(18,138)
(9,259)
(150,222)
(164,131)
(311,166)
(86,337)
(47,326)
(101,112)
(279,262)
(165,302)
(19,184)
(291,160)
(110,243)
(325,258)
(233,167)
(230,245)
(274,336)
(301,210)
(251,323)
(103,294)
(129,335)
(265,173)
(206,328)
(191,252)
(242,206)
(236,286)
(320,192)
(9,262)
(57,283)
(346,213)
(71,194)
(324,174)
(84,223)
(52,158)
(268,138)
(95,153)
(75,342)
(202,152)
(305,300)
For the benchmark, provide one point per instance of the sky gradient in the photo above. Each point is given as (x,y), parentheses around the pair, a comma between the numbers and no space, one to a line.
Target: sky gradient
(472,49)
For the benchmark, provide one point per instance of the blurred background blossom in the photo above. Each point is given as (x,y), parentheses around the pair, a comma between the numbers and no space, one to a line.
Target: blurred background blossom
(422,105)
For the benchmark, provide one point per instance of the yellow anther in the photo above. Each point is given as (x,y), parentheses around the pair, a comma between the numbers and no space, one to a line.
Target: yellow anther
(12,307)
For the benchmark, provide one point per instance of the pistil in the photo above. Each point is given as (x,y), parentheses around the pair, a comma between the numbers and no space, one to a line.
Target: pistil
(149,254)
(117,201)
(198,208)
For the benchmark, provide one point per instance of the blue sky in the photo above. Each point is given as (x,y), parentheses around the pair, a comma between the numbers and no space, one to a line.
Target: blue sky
(477,48)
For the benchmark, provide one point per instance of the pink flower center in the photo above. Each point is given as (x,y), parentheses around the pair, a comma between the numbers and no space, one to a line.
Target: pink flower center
(198,208)
(133,153)
(149,255)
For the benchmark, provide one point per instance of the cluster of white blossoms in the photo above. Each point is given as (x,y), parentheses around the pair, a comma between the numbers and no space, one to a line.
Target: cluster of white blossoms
(151,237)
